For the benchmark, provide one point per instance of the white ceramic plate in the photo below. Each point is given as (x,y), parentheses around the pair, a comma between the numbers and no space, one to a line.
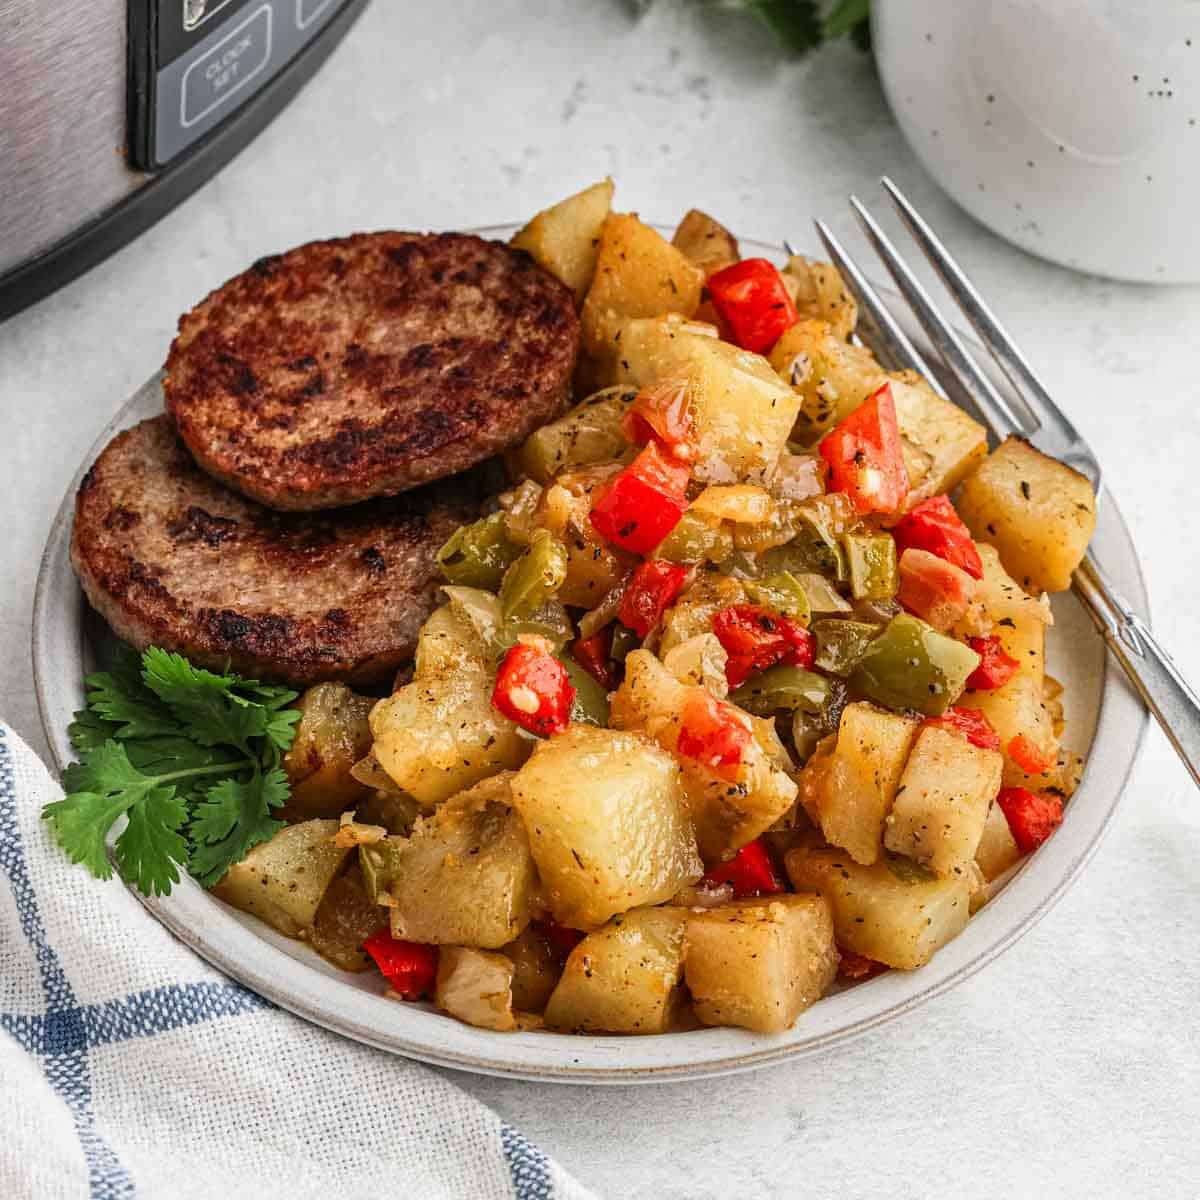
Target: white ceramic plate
(1105,720)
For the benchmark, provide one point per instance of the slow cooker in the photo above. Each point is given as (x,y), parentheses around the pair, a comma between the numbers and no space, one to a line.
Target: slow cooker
(113,111)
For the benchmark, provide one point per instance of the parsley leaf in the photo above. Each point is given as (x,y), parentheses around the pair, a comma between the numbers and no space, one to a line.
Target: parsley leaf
(796,23)
(190,758)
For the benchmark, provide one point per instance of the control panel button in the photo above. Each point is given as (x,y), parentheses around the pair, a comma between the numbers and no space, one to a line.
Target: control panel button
(307,11)
(215,77)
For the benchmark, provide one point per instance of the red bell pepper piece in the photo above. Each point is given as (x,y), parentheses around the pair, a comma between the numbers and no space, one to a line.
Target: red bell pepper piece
(750,871)
(713,733)
(594,655)
(534,689)
(856,967)
(971,723)
(755,638)
(1031,758)
(996,666)
(410,967)
(662,412)
(1032,816)
(866,457)
(644,503)
(753,303)
(937,591)
(933,525)
(649,594)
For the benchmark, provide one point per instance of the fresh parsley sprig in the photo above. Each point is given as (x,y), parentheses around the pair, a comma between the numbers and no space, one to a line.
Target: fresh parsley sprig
(190,758)
(803,25)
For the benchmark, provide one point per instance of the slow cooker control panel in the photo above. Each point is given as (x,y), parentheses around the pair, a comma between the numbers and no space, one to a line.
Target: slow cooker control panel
(195,62)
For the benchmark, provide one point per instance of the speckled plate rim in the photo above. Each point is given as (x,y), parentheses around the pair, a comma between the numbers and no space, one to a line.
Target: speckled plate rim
(292,976)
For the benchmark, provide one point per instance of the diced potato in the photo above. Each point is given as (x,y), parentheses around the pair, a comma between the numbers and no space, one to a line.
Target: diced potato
(1019,706)
(638,274)
(820,293)
(759,964)
(943,800)
(624,978)
(565,238)
(894,911)
(331,736)
(536,970)
(346,917)
(997,849)
(283,881)
(476,987)
(706,242)
(1038,512)
(1002,598)
(829,375)
(465,877)
(742,413)
(1062,777)
(589,433)
(607,824)
(948,442)
(727,814)
(849,792)
(440,734)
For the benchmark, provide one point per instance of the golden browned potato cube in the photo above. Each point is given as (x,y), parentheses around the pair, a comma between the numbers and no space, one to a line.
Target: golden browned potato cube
(1061,777)
(820,293)
(588,433)
(742,413)
(894,911)
(284,880)
(536,970)
(759,964)
(347,916)
(638,274)
(476,987)
(607,824)
(997,849)
(829,375)
(854,785)
(727,813)
(1019,707)
(1038,512)
(440,734)
(465,877)
(624,978)
(943,800)
(333,733)
(706,242)
(565,238)
(1002,598)
(948,442)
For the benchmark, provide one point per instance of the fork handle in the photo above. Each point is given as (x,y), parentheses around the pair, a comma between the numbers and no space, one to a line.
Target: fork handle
(1149,667)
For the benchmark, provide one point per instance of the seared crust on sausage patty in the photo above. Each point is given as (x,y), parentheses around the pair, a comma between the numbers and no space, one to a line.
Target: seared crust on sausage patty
(170,558)
(369,365)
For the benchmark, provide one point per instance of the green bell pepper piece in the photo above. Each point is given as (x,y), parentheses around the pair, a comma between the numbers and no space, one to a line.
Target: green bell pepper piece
(779,688)
(695,539)
(534,577)
(478,555)
(783,593)
(551,621)
(911,665)
(380,863)
(590,706)
(840,644)
(871,560)
(624,640)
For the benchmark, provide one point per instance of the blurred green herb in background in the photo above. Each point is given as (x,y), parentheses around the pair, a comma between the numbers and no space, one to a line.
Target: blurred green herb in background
(803,25)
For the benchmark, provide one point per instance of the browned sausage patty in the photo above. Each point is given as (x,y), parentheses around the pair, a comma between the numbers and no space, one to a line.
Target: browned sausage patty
(368,365)
(170,558)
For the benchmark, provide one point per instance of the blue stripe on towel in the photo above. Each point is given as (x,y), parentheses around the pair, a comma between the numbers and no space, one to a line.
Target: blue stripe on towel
(527,1165)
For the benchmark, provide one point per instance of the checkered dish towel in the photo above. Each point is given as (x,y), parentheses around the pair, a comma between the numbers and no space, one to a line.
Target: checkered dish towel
(129,1067)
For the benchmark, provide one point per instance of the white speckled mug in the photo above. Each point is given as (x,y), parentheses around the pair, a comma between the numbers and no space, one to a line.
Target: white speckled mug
(1070,127)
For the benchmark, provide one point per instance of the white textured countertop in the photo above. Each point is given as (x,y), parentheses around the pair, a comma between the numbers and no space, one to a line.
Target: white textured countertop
(1071,1067)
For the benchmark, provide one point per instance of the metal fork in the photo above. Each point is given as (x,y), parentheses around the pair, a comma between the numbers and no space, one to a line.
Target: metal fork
(1034,415)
